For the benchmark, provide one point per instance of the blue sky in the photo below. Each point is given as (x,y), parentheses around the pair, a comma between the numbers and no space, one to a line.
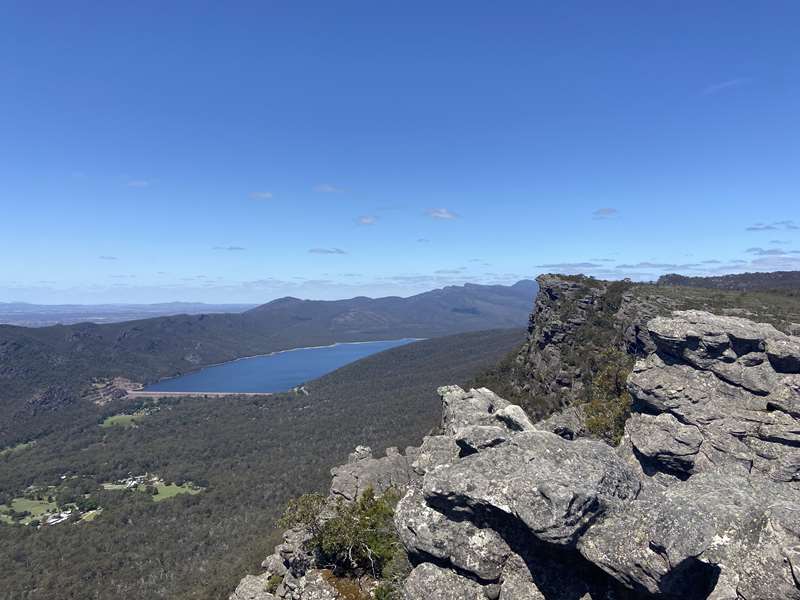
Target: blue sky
(237,152)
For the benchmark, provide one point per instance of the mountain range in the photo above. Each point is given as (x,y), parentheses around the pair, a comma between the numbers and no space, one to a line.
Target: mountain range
(46,369)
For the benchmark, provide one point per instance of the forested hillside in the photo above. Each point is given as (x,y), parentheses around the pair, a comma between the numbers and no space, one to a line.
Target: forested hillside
(248,455)
(44,372)
(788,281)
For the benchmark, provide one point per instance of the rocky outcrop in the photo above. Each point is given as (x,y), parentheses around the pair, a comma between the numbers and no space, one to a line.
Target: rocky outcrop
(701,500)
(573,319)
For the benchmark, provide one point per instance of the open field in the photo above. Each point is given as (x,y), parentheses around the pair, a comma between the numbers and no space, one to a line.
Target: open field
(122,421)
(36,508)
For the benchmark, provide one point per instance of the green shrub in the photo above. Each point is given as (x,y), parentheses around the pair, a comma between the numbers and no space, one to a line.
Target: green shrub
(351,536)
(610,403)
(272,583)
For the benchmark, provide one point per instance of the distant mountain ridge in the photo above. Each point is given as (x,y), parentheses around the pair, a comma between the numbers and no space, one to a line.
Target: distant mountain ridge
(44,370)
(41,315)
(777,280)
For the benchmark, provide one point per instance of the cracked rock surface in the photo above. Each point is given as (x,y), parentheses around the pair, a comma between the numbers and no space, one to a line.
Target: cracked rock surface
(701,499)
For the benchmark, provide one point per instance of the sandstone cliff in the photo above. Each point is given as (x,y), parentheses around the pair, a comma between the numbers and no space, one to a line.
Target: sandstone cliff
(700,500)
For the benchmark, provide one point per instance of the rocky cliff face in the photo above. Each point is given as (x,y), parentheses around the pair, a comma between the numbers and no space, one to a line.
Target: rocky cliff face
(700,500)
(574,320)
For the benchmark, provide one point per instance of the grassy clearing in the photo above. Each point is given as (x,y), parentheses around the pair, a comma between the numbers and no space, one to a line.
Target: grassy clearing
(170,490)
(163,491)
(122,420)
(36,508)
(114,486)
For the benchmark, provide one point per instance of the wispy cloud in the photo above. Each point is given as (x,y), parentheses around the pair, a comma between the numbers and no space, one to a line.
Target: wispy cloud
(441,213)
(367,220)
(261,195)
(605,213)
(327,188)
(716,88)
(230,248)
(449,271)
(779,242)
(786,225)
(104,257)
(423,241)
(327,251)
(139,183)
(771,251)
(656,265)
(569,265)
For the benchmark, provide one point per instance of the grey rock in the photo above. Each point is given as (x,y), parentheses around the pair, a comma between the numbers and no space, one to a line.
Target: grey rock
(363,471)
(517,583)
(514,418)
(568,423)
(701,500)
(252,587)
(784,354)
(461,409)
(665,442)
(427,533)
(427,582)
(316,588)
(474,438)
(436,450)
(553,487)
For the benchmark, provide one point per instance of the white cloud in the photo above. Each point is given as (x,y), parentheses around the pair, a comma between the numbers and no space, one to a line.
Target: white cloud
(107,257)
(569,265)
(441,213)
(716,88)
(327,188)
(139,183)
(229,248)
(367,220)
(327,251)
(261,195)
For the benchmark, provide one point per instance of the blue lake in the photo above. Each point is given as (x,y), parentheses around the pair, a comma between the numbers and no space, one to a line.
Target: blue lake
(276,372)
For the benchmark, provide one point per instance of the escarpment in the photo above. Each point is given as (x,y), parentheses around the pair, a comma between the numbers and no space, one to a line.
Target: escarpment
(701,499)
(576,321)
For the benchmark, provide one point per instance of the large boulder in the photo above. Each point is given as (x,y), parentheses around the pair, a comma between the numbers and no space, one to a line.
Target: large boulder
(362,471)
(553,487)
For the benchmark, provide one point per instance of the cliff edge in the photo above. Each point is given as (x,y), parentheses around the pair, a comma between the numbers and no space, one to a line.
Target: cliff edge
(701,499)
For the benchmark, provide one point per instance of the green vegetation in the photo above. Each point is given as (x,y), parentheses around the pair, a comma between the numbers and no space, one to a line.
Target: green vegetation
(782,282)
(251,452)
(352,538)
(17,448)
(610,405)
(47,373)
(596,352)
(273,582)
(165,491)
(25,510)
(780,308)
(122,420)
(359,537)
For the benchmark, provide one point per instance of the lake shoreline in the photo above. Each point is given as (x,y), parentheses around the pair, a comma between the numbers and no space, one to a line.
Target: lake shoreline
(144,391)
